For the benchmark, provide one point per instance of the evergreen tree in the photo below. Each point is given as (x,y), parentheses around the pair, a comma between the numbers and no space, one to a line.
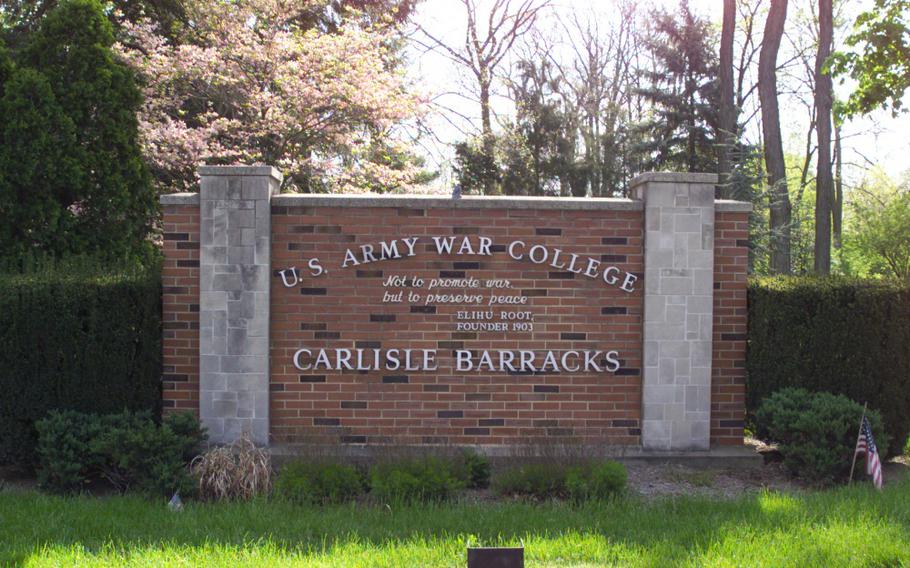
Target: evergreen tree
(39,167)
(6,66)
(114,202)
(681,134)
(539,129)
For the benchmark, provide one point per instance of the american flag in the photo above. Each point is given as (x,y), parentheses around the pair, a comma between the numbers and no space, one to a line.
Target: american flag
(866,445)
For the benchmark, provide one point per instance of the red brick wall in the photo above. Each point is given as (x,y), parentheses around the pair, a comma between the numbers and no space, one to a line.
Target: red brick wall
(344,309)
(180,306)
(728,366)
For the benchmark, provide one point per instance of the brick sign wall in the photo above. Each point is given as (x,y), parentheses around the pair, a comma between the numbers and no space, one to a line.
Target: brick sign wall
(561,310)
(487,321)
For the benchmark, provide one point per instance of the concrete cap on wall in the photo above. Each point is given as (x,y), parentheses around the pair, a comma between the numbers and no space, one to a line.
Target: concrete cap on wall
(673,177)
(269,171)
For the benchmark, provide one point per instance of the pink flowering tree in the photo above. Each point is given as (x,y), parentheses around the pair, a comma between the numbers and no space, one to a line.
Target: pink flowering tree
(250,83)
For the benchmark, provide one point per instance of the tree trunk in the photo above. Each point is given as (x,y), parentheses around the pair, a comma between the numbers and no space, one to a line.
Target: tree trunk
(727,111)
(838,210)
(486,126)
(824,183)
(774,151)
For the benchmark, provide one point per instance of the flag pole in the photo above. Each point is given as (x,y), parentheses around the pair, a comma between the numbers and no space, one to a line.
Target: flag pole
(858,434)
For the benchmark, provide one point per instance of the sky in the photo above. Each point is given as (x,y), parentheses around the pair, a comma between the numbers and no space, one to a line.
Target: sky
(880,138)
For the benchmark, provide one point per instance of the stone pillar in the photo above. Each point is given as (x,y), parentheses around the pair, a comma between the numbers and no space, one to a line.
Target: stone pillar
(678,309)
(234,269)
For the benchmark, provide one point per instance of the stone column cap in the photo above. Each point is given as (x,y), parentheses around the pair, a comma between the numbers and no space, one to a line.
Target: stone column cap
(673,177)
(241,170)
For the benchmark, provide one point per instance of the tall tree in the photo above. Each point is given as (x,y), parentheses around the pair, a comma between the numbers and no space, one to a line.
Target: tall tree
(683,92)
(773,143)
(115,199)
(727,115)
(40,169)
(485,46)
(824,181)
(539,126)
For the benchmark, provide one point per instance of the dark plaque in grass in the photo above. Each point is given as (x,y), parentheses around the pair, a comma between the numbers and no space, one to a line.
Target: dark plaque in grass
(496,557)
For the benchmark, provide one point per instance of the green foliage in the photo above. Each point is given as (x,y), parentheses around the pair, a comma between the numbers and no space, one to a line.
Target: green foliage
(64,449)
(880,60)
(318,483)
(425,479)
(84,153)
(596,481)
(684,91)
(883,234)
(135,453)
(6,66)
(541,481)
(189,432)
(816,432)
(74,335)
(128,449)
(538,481)
(476,468)
(20,18)
(473,168)
(39,168)
(839,335)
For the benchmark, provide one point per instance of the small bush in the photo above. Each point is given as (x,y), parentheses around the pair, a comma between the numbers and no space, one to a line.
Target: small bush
(473,469)
(538,481)
(816,432)
(235,472)
(596,481)
(427,479)
(318,484)
(128,449)
(135,453)
(65,458)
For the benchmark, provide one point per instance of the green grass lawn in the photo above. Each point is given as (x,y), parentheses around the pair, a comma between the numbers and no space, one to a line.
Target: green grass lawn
(855,526)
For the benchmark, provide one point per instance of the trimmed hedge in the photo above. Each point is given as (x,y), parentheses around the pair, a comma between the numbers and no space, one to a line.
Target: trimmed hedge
(837,335)
(75,335)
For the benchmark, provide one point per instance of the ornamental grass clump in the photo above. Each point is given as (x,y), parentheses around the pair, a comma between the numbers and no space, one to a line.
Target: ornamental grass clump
(239,471)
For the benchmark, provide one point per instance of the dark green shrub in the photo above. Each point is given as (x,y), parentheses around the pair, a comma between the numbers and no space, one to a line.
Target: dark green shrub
(135,453)
(596,481)
(426,479)
(318,483)
(75,335)
(816,432)
(473,469)
(64,450)
(128,449)
(849,337)
(538,481)
(191,435)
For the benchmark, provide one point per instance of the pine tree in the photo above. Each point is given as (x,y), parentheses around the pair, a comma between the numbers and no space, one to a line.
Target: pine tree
(681,135)
(115,202)
(39,167)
